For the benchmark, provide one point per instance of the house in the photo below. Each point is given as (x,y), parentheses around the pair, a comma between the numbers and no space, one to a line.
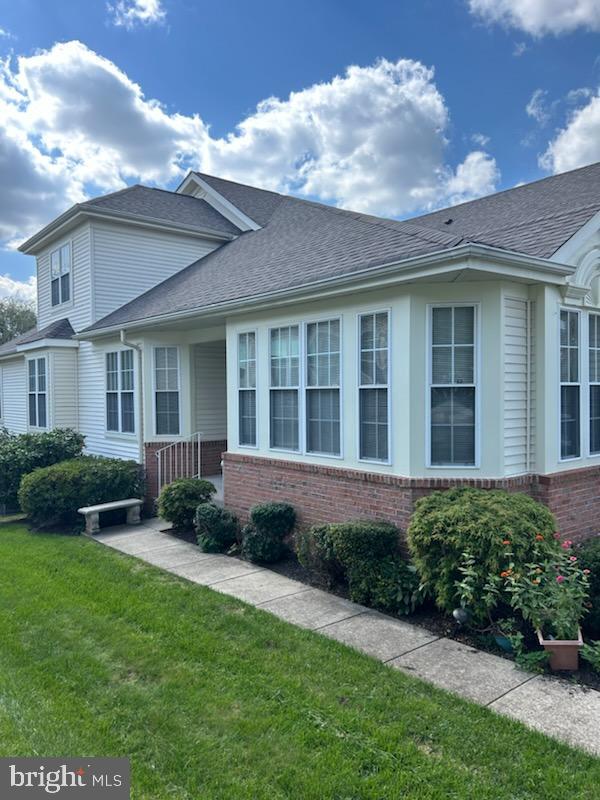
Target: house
(344,362)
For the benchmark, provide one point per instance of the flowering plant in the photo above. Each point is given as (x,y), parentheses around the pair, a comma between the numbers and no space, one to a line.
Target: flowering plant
(551,593)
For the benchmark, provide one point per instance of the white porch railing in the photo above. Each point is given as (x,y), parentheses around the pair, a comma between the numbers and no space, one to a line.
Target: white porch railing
(181,459)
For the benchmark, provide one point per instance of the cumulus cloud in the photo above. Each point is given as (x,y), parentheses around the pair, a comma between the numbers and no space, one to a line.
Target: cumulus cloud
(373,139)
(540,17)
(22,290)
(578,143)
(132,13)
(538,107)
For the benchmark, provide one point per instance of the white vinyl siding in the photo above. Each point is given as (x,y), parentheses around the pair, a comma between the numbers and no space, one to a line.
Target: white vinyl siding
(166,391)
(128,261)
(64,388)
(453,385)
(14,395)
(570,385)
(247,389)
(210,390)
(284,368)
(373,386)
(37,392)
(519,383)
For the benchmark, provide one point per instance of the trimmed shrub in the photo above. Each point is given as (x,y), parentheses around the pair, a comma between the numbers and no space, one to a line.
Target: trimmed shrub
(216,528)
(25,452)
(315,551)
(276,519)
(179,500)
(359,541)
(50,496)
(589,558)
(448,525)
(388,584)
(261,547)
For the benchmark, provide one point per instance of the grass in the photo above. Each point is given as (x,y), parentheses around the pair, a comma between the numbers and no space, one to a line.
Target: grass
(210,698)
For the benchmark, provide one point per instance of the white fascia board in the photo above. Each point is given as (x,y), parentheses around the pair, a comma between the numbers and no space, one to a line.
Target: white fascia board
(44,344)
(194,182)
(567,251)
(482,258)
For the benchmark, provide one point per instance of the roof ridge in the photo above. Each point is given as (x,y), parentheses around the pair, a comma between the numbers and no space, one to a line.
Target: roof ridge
(112,194)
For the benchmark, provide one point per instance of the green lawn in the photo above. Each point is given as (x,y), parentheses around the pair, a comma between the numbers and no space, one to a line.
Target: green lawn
(100,655)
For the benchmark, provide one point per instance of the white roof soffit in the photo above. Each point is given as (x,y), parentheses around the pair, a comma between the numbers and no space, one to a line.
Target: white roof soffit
(197,187)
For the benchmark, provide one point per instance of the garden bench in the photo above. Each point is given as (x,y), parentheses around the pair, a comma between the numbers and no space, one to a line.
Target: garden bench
(92,513)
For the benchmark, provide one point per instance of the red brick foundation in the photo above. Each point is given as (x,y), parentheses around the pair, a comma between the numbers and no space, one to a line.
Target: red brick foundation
(331,494)
(210,463)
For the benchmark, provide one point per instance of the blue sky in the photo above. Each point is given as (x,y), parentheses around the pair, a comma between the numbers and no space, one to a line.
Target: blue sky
(449,99)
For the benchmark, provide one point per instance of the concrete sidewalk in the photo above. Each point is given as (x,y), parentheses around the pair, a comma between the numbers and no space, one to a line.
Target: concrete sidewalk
(554,706)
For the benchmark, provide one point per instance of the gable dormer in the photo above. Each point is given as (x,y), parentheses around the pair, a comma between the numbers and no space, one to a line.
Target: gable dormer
(197,186)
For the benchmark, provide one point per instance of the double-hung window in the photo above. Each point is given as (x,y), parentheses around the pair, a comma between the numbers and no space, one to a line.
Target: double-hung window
(247,388)
(594,361)
(60,275)
(323,387)
(453,386)
(373,389)
(166,391)
(120,413)
(37,392)
(284,357)
(570,387)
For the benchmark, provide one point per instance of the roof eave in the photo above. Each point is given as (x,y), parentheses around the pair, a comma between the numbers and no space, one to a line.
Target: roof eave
(540,269)
(39,240)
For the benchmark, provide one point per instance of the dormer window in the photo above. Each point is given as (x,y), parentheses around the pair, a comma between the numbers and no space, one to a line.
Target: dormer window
(60,272)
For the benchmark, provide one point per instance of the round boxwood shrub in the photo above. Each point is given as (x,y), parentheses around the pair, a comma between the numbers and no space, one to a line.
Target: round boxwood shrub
(389,584)
(261,547)
(216,528)
(485,523)
(276,519)
(179,500)
(50,496)
(589,558)
(363,540)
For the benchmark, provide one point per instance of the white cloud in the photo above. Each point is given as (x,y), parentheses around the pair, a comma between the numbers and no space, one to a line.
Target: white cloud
(480,139)
(131,13)
(22,290)
(538,107)
(539,17)
(373,139)
(578,143)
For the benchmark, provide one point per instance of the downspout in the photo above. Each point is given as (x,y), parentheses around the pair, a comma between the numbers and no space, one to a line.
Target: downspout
(127,343)
(529,334)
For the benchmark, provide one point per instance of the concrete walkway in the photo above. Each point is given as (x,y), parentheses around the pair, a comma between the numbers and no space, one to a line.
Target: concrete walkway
(554,706)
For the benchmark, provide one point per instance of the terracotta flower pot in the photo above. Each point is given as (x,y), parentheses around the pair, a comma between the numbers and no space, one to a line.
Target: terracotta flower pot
(564,653)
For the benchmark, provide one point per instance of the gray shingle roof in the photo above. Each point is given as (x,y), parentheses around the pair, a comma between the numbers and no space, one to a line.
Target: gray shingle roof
(302,242)
(60,329)
(145,201)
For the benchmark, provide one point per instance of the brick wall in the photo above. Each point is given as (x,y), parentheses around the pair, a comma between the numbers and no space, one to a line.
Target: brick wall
(210,462)
(330,494)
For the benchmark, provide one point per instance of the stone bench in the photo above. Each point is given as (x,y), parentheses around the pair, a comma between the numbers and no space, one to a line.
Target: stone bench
(92,513)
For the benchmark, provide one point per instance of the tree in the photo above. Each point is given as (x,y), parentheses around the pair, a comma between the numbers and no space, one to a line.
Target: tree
(16,317)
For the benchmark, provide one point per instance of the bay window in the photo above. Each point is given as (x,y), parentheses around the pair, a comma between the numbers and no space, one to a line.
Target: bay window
(594,381)
(284,357)
(453,386)
(37,392)
(570,387)
(120,413)
(247,389)
(166,391)
(323,387)
(373,391)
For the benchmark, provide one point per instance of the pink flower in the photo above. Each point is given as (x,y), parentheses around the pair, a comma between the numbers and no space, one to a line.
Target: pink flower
(566,544)
(572,559)
(557,536)
(587,572)
(560,578)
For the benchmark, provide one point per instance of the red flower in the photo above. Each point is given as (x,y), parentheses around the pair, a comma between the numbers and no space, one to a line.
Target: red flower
(560,578)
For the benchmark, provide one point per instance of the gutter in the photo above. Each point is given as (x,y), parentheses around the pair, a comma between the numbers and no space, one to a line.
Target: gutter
(315,290)
(127,343)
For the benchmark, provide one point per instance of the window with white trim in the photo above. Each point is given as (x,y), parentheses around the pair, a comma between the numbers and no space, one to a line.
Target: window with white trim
(453,386)
(323,387)
(373,387)
(120,410)
(594,379)
(284,357)
(60,275)
(570,386)
(247,389)
(37,376)
(166,391)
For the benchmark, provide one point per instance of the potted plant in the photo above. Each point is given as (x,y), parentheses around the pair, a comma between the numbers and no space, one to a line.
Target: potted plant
(551,594)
